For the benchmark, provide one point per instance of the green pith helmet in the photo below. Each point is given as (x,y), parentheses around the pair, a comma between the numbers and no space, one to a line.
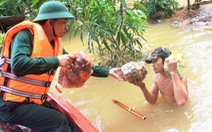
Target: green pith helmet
(53,10)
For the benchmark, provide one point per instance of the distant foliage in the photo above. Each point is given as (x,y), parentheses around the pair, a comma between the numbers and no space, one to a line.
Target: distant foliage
(160,8)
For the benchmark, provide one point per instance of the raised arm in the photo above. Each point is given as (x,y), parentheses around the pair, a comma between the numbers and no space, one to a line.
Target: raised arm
(180,88)
(179,84)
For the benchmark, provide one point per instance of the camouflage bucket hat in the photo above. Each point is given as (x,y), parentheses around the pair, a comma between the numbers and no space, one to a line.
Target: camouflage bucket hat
(158,52)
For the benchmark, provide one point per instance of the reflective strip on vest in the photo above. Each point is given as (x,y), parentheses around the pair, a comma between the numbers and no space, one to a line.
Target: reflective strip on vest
(22,93)
(25,80)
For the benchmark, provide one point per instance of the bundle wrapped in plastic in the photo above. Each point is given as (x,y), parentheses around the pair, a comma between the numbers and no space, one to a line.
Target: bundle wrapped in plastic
(134,70)
(181,63)
(78,74)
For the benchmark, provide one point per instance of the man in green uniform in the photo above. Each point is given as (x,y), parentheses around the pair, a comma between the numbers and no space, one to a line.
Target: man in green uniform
(53,18)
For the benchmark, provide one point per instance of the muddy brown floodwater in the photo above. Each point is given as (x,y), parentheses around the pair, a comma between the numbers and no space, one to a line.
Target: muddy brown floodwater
(94,99)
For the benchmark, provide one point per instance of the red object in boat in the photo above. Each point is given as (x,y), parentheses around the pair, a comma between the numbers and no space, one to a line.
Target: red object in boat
(82,123)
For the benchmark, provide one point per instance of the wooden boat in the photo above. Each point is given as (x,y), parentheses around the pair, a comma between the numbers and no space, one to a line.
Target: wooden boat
(82,123)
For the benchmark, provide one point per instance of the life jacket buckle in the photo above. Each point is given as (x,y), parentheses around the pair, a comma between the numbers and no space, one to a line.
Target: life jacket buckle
(47,84)
(44,97)
(51,72)
(2,61)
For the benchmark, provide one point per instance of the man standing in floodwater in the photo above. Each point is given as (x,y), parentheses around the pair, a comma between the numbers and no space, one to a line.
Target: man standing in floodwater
(32,51)
(172,87)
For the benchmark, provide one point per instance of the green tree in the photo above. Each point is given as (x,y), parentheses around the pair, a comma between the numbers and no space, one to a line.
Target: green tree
(112,29)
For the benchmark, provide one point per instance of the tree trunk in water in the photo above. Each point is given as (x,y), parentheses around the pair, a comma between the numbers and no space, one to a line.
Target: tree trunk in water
(188,1)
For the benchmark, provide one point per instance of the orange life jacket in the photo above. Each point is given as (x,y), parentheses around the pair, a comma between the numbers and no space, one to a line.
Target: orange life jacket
(32,87)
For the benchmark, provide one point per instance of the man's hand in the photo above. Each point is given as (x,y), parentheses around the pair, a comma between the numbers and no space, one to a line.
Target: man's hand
(171,65)
(66,60)
(116,73)
(139,82)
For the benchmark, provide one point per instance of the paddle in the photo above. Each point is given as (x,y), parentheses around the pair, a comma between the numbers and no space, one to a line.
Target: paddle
(129,109)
